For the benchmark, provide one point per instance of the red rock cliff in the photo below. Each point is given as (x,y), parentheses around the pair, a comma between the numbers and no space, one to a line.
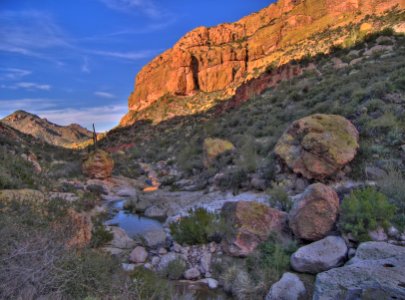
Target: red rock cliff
(220,59)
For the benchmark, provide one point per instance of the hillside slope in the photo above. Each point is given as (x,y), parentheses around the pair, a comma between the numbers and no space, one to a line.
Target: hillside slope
(208,64)
(42,129)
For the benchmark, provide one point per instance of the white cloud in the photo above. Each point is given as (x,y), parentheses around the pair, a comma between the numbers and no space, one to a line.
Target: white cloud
(30,86)
(128,55)
(85,66)
(13,73)
(33,86)
(146,7)
(30,33)
(7,106)
(105,95)
(104,117)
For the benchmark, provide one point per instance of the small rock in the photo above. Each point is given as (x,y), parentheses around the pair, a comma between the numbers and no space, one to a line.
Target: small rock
(166,259)
(138,255)
(162,251)
(211,282)
(289,287)
(155,260)
(205,262)
(192,274)
(176,247)
(378,235)
(393,232)
(154,238)
(128,267)
(374,173)
(320,256)
(155,212)
(120,238)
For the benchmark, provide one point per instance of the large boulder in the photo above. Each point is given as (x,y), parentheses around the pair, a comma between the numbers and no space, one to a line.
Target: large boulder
(215,147)
(98,165)
(251,223)
(319,145)
(289,287)
(120,238)
(320,256)
(376,272)
(314,214)
(154,237)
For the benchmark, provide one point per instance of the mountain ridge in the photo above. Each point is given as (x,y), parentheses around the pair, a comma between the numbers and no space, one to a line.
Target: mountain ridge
(209,64)
(66,136)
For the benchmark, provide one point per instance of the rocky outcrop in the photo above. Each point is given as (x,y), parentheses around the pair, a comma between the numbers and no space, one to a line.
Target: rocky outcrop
(320,256)
(211,63)
(314,213)
(251,223)
(319,145)
(65,136)
(376,272)
(289,287)
(98,165)
(215,147)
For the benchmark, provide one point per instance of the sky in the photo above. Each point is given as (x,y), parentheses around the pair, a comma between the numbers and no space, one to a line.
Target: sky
(74,61)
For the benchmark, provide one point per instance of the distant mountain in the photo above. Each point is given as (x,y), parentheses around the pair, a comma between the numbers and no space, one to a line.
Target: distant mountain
(64,136)
(211,64)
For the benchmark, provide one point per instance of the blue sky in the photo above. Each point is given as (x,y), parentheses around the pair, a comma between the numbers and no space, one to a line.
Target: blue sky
(74,61)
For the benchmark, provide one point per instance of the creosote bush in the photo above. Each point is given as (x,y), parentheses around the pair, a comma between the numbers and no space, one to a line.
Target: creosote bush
(200,227)
(365,210)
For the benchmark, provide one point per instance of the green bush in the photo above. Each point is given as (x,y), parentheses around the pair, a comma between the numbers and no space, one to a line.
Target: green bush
(393,185)
(365,210)
(175,269)
(200,227)
(280,199)
(148,285)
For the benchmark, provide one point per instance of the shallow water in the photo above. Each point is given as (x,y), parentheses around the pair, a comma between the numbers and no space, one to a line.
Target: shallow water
(133,224)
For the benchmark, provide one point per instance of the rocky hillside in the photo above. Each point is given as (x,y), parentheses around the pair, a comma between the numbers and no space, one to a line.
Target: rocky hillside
(208,64)
(64,136)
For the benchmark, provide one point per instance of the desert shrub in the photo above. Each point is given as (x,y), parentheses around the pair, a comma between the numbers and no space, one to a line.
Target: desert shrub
(65,170)
(16,173)
(237,282)
(34,256)
(99,235)
(200,227)
(233,179)
(148,285)
(393,185)
(280,199)
(175,269)
(365,210)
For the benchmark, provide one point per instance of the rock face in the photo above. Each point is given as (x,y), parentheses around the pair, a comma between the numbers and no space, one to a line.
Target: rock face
(215,147)
(42,129)
(213,62)
(251,223)
(314,213)
(376,272)
(319,145)
(289,287)
(98,165)
(154,238)
(320,256)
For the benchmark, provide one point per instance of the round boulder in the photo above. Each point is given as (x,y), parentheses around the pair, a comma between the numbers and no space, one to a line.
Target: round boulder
(215,147)
(98,165)
(138,255)
(314,213)
(289,287)
(251,223)
(320,256)
(319,145)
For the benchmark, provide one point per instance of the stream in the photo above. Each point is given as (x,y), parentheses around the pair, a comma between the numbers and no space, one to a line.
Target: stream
(135,225)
